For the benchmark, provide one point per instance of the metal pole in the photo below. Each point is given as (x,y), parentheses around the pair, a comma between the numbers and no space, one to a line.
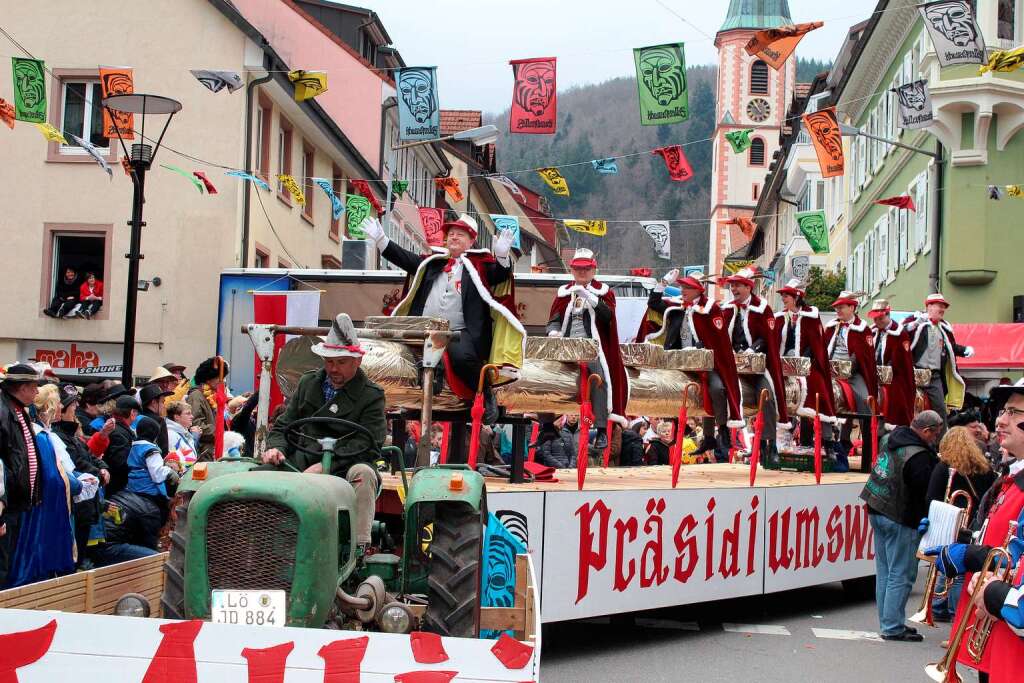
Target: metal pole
(894,143)
(133,256)
(516,475)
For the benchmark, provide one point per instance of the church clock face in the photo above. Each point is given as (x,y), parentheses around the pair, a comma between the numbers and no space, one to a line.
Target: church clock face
(758,110)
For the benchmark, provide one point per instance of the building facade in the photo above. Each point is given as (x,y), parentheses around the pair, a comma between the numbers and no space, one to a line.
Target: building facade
(958,241)
(750,95)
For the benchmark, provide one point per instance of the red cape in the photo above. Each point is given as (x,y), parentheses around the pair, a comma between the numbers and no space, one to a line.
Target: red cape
(810,333)
(608,333)
(708,328)
(761,325)
(861,343)
(898,397)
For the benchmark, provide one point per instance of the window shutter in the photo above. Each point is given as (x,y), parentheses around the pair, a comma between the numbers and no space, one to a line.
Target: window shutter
(894,250)
(926,210)
(883,249)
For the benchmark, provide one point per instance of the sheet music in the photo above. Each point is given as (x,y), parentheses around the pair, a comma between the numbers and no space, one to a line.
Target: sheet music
(943,522)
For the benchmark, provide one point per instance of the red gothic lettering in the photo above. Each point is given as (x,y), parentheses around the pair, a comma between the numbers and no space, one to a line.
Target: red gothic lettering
(588,558)
(175,658)
(856,531)
(655,571)
(685,548)
(834,532)
(729,561)
(427,648)
(709,545)
(622,528)
(752,535)
(266,665)
(779,557)
(23,648)
(342,659)
(808,551)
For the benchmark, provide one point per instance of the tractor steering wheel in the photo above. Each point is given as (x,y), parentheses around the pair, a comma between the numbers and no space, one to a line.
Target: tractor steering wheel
(297,440)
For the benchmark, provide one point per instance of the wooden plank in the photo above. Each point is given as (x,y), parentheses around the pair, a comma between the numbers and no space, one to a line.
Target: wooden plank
(519,603)
(89,586)
(502,619)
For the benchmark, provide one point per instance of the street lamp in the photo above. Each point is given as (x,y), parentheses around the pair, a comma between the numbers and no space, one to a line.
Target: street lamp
(140,159)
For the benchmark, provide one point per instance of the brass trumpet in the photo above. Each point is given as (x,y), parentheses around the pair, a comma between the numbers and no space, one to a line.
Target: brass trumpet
(924,614)
(999,565)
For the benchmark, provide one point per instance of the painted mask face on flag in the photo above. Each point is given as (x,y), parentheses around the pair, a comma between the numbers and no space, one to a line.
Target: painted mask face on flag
(358,208)
(659,232)
(506,222)
(29,90)
(417,89)
(661,84)
(915,104)
(432,219)
(679,168)
(814,228)
(555,180)
(828,141)
(954,32)
(534,96)
(117,82)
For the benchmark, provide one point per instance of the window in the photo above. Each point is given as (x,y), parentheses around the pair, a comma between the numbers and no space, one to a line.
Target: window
(261,259)
(883,228)
(75,108)
(284,158)
(869,261)
(1007,19)
(755,191)
(337,182)
(923,202)
(758,78)
(820,194)
(263,116)
(308,171)
(84,248)
(755,157)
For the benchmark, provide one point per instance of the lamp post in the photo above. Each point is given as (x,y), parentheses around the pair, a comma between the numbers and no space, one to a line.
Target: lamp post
(934,262)
(140,159)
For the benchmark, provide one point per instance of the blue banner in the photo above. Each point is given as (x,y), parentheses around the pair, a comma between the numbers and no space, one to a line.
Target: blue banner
(504,222)
(498,578)
(606,166)
(419,116)
(337,206)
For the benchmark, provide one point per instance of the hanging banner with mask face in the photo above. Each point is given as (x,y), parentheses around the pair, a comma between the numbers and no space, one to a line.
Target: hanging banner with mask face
(432,220)
(659,231)
(915,104)
(954,32)
(605,166)
(775,45)
(598,228)
(117,81)
(508,184)
(828,141)
(357,208)
(678,166)
(534,99)
(555,180)
(419,117)
(506,222)
(29,89)
(661,84)
(814,228)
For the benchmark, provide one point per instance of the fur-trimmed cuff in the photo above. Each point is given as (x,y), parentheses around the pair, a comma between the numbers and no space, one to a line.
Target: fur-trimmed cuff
(889,427)
(806,412)
(784,426)
(736,424)
(619,420)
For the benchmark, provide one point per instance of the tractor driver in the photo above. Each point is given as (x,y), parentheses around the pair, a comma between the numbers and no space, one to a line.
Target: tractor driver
(342,390)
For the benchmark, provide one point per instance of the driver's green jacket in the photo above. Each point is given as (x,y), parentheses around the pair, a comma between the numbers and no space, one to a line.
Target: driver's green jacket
(359,400)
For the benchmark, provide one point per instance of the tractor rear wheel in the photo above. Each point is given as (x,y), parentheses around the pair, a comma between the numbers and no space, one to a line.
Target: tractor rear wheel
(172,600)
(453,582)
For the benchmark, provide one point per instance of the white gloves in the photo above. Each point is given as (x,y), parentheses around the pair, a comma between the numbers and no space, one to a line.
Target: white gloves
(671,276)
(554,333)
(375,231)
(968,351)
(503,244)
(585,294)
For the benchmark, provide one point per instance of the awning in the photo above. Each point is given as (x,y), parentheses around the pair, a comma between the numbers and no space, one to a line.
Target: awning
(996,345)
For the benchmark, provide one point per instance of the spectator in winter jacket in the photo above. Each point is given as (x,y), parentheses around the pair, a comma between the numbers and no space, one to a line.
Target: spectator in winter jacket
(65,296)
(182,437)
(131,529)
(558,447)
(203,399)
(17,450)
(89,406)
(658,450)
(91,296)
(126,409)
(632,453)
(148,474)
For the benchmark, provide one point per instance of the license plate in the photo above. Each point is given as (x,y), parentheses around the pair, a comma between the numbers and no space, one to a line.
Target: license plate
(248,608)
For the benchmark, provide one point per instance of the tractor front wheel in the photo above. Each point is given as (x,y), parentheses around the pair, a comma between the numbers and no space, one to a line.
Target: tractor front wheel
(172,600)
(453,582)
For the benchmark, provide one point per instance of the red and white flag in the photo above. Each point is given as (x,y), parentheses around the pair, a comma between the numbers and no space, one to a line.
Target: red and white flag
(295,309)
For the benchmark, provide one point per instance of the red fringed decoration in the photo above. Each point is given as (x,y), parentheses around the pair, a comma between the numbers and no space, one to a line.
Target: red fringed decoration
(477,413)
(534,433)
(218,433)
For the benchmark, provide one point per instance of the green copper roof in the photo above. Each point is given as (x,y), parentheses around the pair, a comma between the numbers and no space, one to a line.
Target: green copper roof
(756,14)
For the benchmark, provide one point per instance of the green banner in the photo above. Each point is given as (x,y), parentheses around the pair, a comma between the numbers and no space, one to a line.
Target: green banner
(661,84)
(814,227)
(739,140)
(29,89)
(357,208)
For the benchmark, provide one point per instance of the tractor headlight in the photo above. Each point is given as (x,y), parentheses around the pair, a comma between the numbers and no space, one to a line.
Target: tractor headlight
(132,605)
(395,618)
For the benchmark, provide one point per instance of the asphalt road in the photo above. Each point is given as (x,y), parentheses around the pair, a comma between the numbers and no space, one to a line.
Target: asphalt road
(755,640)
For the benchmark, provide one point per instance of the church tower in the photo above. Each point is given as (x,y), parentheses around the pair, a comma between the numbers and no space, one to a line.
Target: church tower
(750,95)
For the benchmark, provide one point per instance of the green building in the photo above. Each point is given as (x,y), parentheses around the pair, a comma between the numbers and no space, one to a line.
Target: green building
(958,241)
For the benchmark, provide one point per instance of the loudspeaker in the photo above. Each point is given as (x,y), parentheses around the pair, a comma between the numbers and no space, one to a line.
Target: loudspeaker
(1018,308)
(357,255)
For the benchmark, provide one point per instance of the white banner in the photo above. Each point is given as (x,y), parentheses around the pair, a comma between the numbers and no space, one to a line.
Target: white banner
(660,232)
(915,104)
(954,31)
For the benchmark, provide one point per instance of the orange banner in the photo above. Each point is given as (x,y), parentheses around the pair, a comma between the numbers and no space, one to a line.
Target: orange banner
(823,128)
(775,45)
(117,81)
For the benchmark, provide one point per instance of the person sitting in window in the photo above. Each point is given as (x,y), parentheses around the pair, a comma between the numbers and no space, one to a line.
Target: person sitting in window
(91,295)
(65,296)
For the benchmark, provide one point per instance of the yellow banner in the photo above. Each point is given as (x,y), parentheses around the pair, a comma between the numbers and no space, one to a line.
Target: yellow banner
(555,180)
(1004,60)
(51,133)
(598,228)
(308,84)
(293,188)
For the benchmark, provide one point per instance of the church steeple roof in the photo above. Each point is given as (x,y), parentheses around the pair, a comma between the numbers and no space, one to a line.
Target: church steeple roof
(756,14)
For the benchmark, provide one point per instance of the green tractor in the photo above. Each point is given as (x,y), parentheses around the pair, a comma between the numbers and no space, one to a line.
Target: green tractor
(276,547)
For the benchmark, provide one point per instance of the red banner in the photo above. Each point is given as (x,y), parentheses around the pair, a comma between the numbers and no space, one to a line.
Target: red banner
(678,166)
(903,201)
(432,219)
(534,98)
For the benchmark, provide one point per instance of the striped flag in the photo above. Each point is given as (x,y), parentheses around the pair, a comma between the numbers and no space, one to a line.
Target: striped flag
(295,309)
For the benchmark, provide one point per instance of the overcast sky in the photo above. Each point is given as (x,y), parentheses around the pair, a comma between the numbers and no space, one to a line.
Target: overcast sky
(471,41)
